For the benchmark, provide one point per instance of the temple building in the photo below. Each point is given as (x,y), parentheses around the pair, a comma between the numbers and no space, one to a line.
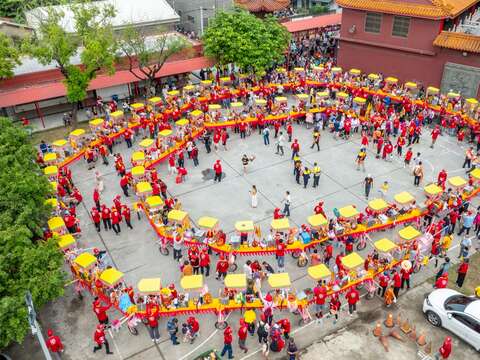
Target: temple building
(432,42)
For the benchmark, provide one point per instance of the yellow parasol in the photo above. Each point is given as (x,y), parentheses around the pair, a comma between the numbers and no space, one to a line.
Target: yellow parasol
(457,181)
(49,157)
(173,93)
(302,96)
(260,101)
(404,198)
(96,122)
(280,224)
(85,260)
(410,85)
(348,211)
(196,113)
(384,245)
(391,80)
(154,201)
(281,99)
(323,94)
(177,215)
(60,143)
(352,261)
(355,71)
(138,171)
(111,276)
(279,281)
(144,187)
(336,69)
(66,241)
(432,189)
(236,104)
(55,223)
(433,90)
(319,272)
(77,132)
(244,226)
(119,113)
(378,204)
(317,220)
(146,143)
(165,132)
(472,101)
(207,222)
(206,82)
(236,281)
(359,100)
(453,95)
(475,173)
(409,233)
(50,170)
(192,282)
(155,100)
(342,95)
(138,156)
(373,76)
(181,122)
(136,106)
(150,286)
(189,88)
(249,316)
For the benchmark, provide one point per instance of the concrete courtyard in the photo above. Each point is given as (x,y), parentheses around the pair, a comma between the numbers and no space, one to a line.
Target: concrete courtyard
(136,254)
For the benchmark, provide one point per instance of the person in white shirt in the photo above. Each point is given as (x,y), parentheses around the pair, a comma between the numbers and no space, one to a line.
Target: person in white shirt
(248,270)
(280,144)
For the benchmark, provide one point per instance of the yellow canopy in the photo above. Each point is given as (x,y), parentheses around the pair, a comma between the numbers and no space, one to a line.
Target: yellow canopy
(404,198)
(65,241)
(355,71)
(165,132)
(373,76)
(433,90)
(149,286)
(457,181)
(50,157)
(279,281)
(77,132)
(111,276)
(279,69)
(281,99)
(177,215)
(243,226)
(154,201)
(55,223)
(144,187)
(119,113)
(50,170)
(138,156)
(472,101)
(476,173)
(249,316)
(155,100)
(359,100)
(280,224)
(409,233)
(384,245)
(145,143)
(173,92)
(206,82)
(96,122)
(336,69)
(378,204)
(207,222)
(136,106)
(352,261)
(225,79)
(85,260)
(236,281)
(60,143)
(317,220)
(348,211)
(299,69)
(260,101)
(196,112)
(189,87)
(181,122)
(138,170)
(323,94)
(302,96)
(391,80)
(192,282)
(342,95)
(411,85)
(318,272)
(54,185)
(433,189)
(52,201)
(236,104)
(453,95)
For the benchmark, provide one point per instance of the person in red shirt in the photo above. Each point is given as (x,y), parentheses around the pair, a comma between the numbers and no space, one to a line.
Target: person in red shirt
(194,326)
(328,253)
(54,344)
(225,137)
(397,283)
(379,147)
(353,297)
(222,267)
(153,326)
(127,215)
(334,307)
(285,326)
(71,224)
(435,133)
(227,342)
(442,178)
(96,218)
(277,214)
(100,339)
(462,272)
(319,209)
(383,281)
(400,144)
(127,135)
(320,296)
(116,218)
(454,215)
(406,278)
(96,198)
(387,150)
(124,185)
(408,157)
(100,311)
(107,222)
(295,148)
(442,281)
(276,126)
(242,335)
(204,262)
(280,254)
(364,141)
(445,350)
(289,131)
(217,168)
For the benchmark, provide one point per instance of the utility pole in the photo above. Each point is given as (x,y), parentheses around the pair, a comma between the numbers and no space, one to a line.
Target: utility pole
(35,326)
(201,20)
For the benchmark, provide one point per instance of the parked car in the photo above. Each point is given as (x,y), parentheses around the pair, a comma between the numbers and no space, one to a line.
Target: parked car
(455,312)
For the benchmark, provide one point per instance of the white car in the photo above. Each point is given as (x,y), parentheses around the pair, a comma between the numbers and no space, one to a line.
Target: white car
(455,312)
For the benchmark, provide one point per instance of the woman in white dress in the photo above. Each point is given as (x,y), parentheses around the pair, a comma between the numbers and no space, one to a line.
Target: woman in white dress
(99,181)
(253,194)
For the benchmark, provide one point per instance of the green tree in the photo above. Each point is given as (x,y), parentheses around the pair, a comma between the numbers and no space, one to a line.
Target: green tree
(26,261)
(15,9)
(146,54)
(9,56)
(93,40)
(240,38)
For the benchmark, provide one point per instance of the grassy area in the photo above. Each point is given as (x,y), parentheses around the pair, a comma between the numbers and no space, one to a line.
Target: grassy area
(473,276)
(51,135)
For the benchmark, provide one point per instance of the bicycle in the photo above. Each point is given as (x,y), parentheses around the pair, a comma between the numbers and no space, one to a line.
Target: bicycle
(163,246)
(361,242)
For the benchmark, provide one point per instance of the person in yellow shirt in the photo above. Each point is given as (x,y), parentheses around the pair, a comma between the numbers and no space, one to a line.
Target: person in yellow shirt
(477,292)
(446,243)
(187,269)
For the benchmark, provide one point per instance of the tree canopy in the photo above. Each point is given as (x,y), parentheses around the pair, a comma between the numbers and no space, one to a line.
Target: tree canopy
(146,54)
(26,261)
(93,41)
(9,56)
(15,9)
(249,42)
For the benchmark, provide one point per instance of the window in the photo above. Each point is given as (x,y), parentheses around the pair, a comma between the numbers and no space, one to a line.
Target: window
(373,21)
(401,24)
(457,302)
(191,19)
(467,321)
